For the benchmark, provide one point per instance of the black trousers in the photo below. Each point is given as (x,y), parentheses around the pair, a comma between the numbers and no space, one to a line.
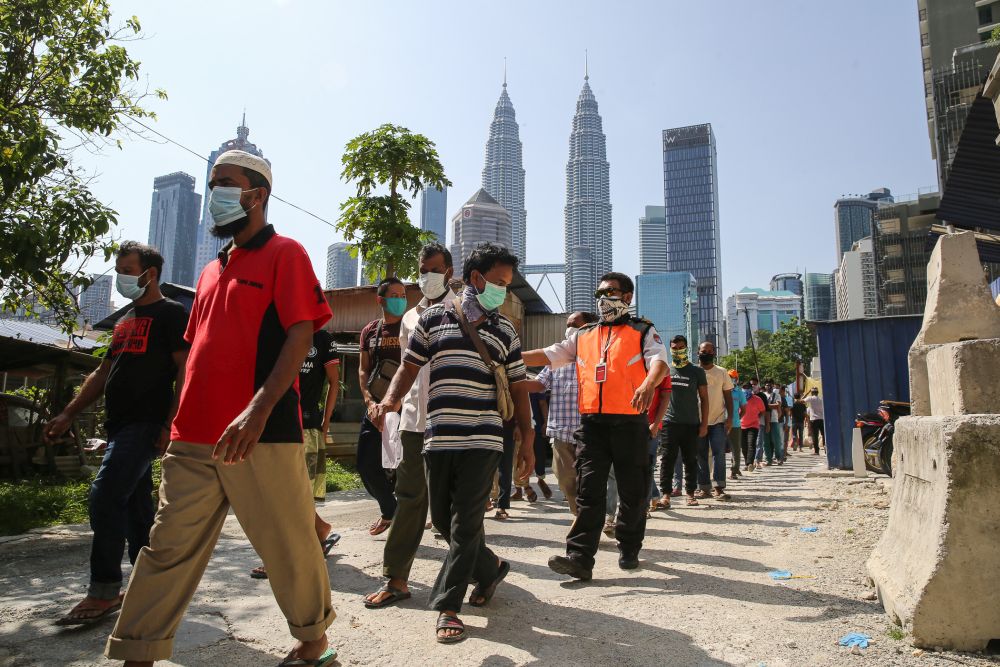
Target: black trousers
(749,444)
(682,438)
(815,429)
(458,486)
(369,462)
(604,441)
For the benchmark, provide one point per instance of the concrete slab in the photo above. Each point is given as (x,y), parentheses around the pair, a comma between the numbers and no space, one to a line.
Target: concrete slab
(965,377)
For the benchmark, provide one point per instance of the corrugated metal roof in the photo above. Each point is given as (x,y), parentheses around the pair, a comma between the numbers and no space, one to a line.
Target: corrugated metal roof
(36,332)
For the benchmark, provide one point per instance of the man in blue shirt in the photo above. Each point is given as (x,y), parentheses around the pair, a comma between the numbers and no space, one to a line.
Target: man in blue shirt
(739,400)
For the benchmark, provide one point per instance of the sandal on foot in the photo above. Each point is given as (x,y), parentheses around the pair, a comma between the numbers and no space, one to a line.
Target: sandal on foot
(488,592)
(692,501)
(446,622)
(721,494)
(517,495)
(379,527)
(530,494)
(395,595)
(258,572)
(329,543)
(324,660)
(546,491)
(102,612)
(501,515)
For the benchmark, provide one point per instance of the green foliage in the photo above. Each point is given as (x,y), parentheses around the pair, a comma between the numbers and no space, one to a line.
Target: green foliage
(896,633)
(37,503)
(341,477)
(995,35)
(793,340)
(65,83)
(378,226)
(775,353)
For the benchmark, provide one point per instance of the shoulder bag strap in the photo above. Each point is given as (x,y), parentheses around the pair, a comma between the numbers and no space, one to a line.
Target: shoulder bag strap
(471,332)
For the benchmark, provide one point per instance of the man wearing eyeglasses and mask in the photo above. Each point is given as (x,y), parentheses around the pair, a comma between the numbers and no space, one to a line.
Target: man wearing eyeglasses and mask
(620,363)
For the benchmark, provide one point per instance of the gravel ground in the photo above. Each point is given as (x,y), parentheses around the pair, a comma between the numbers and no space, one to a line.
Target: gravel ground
(701,597)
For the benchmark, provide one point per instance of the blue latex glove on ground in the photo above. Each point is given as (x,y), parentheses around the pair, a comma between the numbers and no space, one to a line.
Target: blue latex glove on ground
(780,574)
(809,529)
(855,639)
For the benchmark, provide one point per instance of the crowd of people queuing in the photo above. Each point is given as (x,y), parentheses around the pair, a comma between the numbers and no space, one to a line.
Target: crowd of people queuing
(231,396)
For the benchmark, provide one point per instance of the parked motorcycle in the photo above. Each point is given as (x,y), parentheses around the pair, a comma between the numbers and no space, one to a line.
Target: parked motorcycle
(876,434)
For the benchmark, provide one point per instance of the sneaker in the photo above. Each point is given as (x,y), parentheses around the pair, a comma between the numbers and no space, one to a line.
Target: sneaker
(628,561)
(568,566)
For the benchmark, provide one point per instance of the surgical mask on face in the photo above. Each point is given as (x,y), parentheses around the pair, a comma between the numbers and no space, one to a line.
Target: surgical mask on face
(611,308)
(492,296)
(432,284)
(395,305)
(224,205)
(680,357)
(128,286)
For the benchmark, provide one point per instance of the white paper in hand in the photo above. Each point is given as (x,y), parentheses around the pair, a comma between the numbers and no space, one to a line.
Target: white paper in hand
(392,446)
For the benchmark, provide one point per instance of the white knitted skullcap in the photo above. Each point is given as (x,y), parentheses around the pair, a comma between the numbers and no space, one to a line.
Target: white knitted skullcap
(248,160)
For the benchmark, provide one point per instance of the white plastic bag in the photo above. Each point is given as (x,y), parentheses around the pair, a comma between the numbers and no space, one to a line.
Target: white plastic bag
(392,446)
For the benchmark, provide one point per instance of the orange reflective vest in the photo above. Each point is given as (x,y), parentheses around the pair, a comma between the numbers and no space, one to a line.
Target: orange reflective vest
(625,369)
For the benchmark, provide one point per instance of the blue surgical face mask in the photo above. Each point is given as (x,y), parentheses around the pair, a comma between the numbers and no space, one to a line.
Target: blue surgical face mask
(492,296)
(128,286)
(395,305)
(224,205)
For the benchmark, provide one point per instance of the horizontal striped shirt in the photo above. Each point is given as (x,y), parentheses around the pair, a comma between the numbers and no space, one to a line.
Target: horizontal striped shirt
(462,396)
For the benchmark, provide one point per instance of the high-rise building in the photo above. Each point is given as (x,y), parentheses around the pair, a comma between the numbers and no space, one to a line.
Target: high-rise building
(341,268)
(954,36)
(854,216)
(670,302)
(653,241)
(787,282)
(503,173)
(479,220)
(820,297)
(767,311)
(691,198)
(95,300)
(901,252)
(434,212)
(173,226)
(209,245)
(588,235)
(855,283)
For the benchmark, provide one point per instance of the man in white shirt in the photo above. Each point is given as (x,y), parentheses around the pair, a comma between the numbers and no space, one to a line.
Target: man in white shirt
(720,407)
(411,483)
(814,415)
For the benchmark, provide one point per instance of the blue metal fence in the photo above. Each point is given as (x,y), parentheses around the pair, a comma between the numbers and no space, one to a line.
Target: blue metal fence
(862,362)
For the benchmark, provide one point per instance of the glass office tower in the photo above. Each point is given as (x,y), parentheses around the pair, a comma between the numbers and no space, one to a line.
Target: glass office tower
(669,301)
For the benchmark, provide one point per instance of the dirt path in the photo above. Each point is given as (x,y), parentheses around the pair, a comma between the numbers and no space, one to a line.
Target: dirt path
(701,597)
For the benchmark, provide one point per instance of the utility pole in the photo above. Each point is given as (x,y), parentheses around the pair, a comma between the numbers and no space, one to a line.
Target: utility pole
(753,348)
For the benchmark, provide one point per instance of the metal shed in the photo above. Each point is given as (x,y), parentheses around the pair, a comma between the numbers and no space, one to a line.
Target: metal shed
(864,362)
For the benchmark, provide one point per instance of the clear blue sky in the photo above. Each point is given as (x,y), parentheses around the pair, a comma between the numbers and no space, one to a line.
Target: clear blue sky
(808,101)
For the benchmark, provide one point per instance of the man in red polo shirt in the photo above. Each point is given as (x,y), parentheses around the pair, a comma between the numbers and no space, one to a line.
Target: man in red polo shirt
(236,441)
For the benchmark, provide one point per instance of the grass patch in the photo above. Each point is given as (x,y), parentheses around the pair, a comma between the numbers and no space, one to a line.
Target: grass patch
(896,633)
(850,531)
(38,503)
(341,477)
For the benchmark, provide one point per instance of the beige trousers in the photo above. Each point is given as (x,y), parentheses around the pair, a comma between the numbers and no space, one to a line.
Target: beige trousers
(315,448)
(272,499)
(564,468)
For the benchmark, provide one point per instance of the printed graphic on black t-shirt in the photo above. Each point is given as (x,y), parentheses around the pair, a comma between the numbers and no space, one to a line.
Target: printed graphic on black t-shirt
(312,377)
(385,336)
(140,386)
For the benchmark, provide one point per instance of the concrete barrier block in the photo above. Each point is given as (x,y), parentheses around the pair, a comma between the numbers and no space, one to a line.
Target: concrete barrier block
(937,566)
(964,378)
(920,395)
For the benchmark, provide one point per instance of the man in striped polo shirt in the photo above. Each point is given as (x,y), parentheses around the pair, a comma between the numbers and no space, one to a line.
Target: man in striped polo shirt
(463,441)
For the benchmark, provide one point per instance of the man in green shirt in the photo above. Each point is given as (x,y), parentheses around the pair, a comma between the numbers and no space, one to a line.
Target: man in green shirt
(686,419)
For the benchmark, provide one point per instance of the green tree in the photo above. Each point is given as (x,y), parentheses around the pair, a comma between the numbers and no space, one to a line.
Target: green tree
(763,357)
(794,341)
(66,82)
(379,225)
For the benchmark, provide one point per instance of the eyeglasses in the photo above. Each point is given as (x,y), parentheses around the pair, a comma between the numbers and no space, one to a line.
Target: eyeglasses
(607,291)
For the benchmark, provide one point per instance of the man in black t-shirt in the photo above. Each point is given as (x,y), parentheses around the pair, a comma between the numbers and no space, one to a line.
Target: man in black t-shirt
(379,343)
(798,422)
(145,360)
(686,420)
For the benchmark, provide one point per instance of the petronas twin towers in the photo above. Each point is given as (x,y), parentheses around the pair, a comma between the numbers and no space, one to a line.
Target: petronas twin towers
(588,197)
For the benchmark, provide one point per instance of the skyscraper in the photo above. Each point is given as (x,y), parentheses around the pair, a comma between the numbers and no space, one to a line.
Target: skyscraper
(341,268)
(790,282)
(95,301)
(208,245)
(670,302)
(434,212)
(653,241)
(901,253)
(173,226)
(854,217)
(854,283)
(480,219)
(588,204)
(503,174)
(691,198)
(820,298)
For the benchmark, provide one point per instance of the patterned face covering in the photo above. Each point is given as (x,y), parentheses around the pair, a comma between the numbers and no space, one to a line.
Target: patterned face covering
(611,308)
(680,357)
